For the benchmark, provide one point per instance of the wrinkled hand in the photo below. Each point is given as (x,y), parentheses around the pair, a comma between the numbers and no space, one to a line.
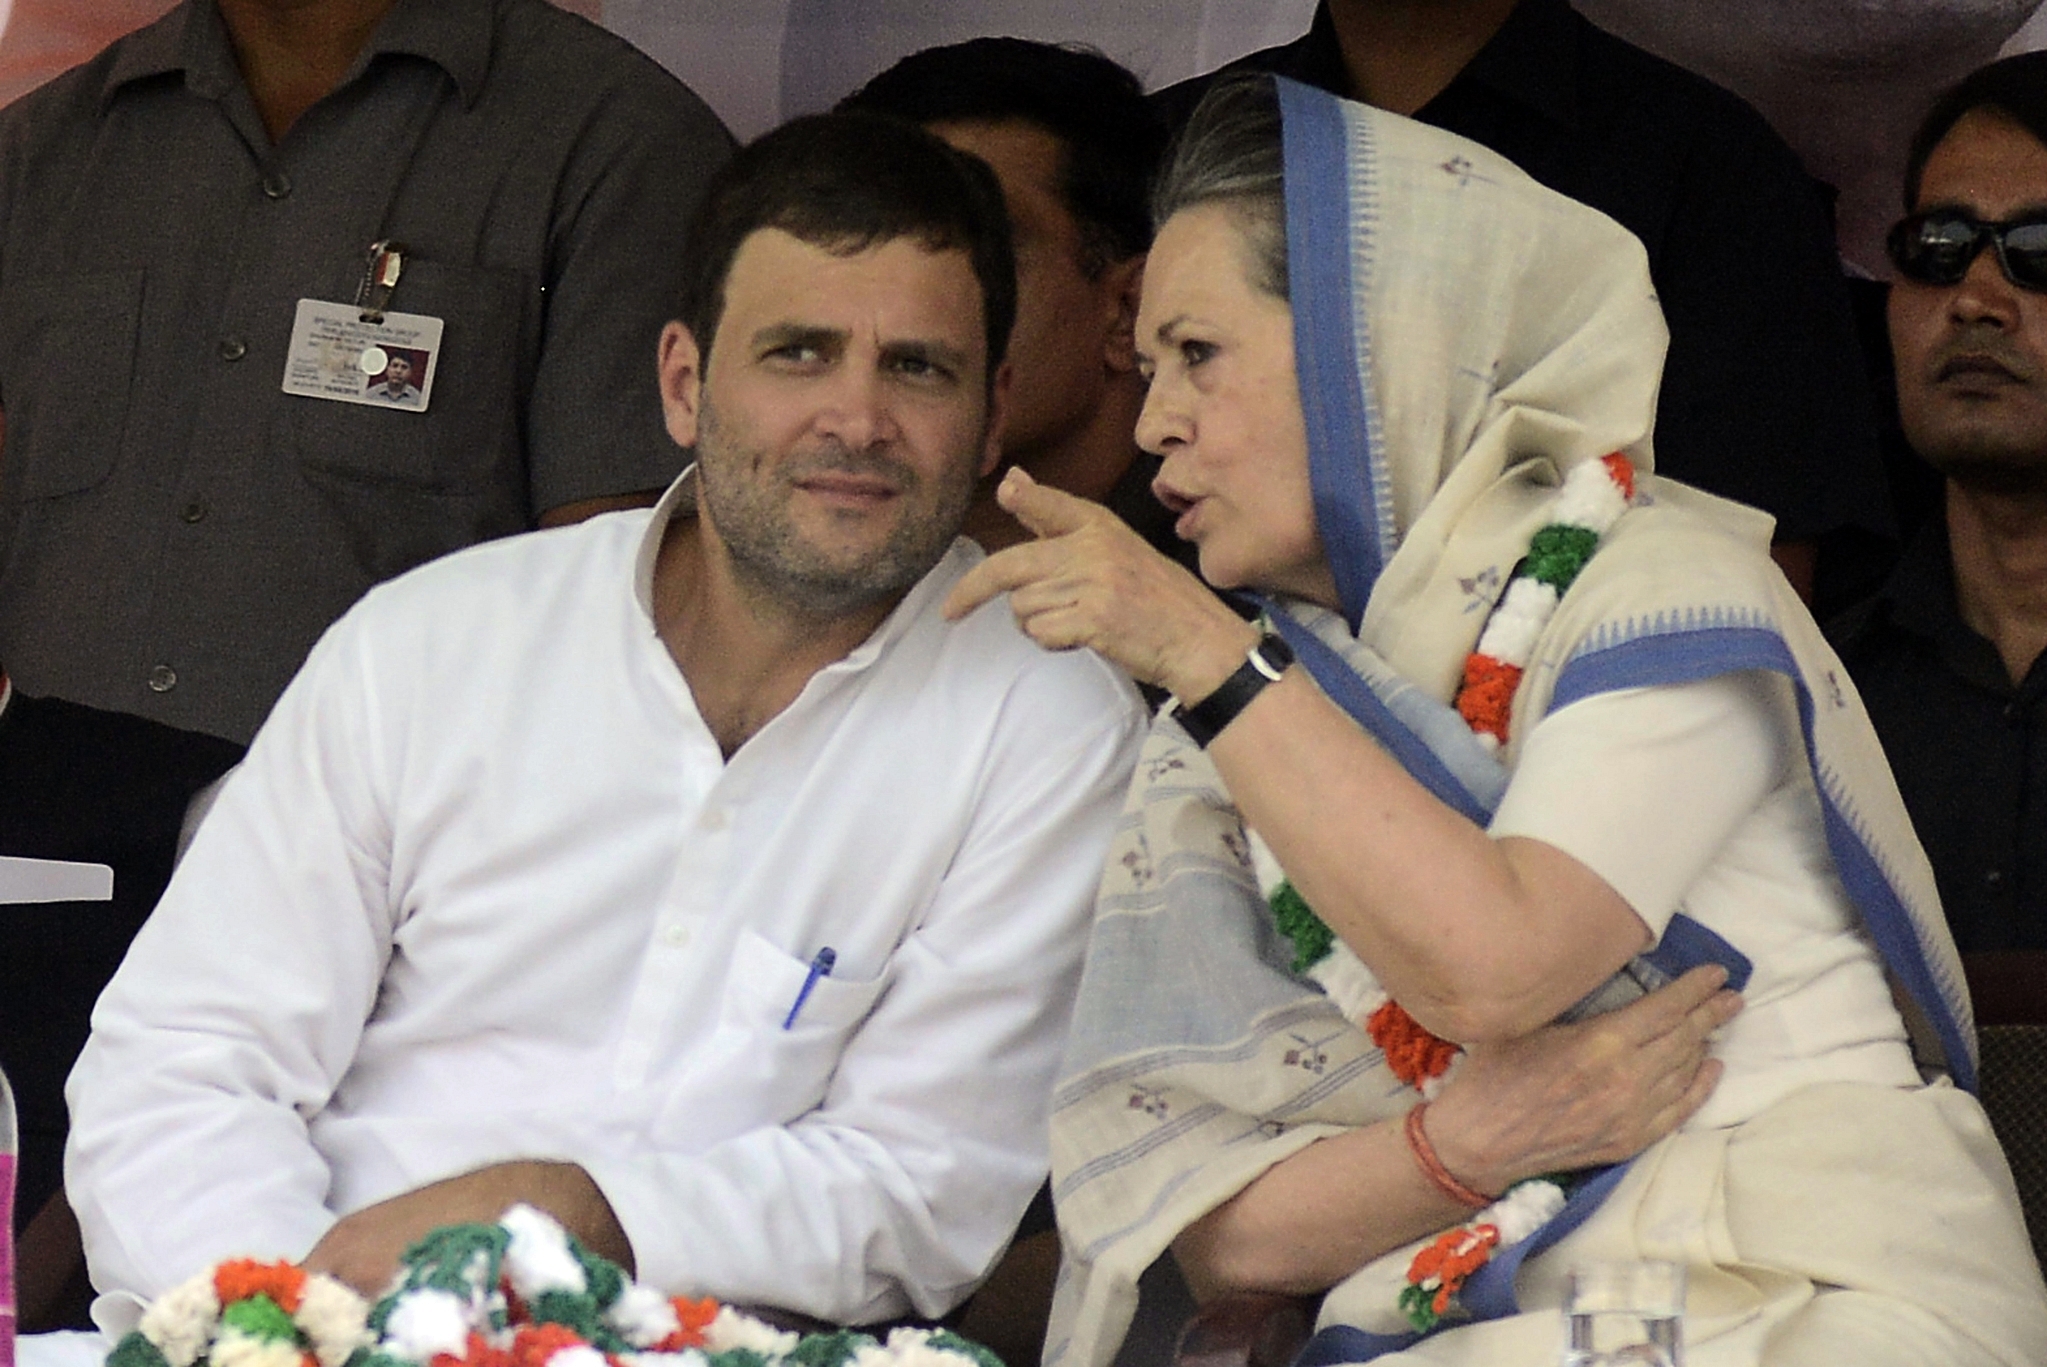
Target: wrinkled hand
(1572,1096)
(363,1249)
(1088,580)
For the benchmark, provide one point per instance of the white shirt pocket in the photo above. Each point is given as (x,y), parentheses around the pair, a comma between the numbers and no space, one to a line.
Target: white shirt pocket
(766,1062)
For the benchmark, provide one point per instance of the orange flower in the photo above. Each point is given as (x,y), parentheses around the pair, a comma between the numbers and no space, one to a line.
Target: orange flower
(1414,1055)
(1622,471)
(242,1278)
(694,1317)
(1487,697)
(479,1354)
(534,1344)
(1450,1260)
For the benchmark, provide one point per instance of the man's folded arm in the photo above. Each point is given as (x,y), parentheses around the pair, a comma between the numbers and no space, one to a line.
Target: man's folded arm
(240,1006)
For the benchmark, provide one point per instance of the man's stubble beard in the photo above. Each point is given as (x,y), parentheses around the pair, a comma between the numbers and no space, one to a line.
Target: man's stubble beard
(770,555)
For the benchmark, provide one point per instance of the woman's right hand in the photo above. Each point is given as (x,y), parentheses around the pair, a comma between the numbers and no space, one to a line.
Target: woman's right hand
(1593,1092)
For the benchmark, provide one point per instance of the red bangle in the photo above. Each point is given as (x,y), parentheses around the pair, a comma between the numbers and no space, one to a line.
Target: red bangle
(1432,1167)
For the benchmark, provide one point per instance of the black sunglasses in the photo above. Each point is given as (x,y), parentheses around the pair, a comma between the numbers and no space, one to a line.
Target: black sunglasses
(1936,248)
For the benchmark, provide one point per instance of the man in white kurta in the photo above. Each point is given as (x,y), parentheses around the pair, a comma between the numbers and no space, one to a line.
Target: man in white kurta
(509,876)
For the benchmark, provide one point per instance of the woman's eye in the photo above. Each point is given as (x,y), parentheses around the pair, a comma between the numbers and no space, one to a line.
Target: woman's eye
(1193,353)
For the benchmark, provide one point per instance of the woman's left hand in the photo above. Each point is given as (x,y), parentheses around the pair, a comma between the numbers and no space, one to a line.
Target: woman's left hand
(1088,580)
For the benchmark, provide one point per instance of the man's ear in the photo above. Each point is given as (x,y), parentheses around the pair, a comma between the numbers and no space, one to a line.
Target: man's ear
(998,418)
(1121,286)
(682,383)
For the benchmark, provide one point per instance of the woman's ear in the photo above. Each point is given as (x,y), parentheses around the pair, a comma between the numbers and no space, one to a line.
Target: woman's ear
(1121,286)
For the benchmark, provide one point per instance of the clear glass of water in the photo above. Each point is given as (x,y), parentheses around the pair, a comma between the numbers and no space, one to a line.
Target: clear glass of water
(1621,1314)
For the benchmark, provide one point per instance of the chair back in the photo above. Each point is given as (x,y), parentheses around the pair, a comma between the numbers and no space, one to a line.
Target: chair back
(2010,993)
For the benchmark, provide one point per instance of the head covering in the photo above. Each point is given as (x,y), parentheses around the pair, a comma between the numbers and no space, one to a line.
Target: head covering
(1463,339)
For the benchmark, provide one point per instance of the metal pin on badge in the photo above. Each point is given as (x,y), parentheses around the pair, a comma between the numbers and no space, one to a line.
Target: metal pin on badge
(373,360)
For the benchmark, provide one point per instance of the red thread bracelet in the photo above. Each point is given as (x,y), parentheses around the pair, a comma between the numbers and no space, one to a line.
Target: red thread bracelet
(1432,1167)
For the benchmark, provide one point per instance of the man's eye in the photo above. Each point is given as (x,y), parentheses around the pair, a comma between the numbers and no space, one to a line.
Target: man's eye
(920,368)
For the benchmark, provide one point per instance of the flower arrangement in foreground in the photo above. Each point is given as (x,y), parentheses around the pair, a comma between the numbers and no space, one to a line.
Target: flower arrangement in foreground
(519,1293)
(1594,495)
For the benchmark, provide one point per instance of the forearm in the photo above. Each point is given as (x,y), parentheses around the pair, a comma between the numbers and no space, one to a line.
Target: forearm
(1315,1218)
(1560,1099)
(363,1248)
(1478,938)
(817,1218)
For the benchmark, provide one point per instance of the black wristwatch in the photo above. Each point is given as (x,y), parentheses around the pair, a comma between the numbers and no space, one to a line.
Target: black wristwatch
(1263,664)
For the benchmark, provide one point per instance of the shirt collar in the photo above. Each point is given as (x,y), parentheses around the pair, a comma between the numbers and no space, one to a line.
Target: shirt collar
(1919,595)
(455,35)
(679,500)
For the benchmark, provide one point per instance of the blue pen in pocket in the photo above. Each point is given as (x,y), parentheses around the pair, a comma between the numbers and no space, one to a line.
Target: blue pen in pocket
(820,967)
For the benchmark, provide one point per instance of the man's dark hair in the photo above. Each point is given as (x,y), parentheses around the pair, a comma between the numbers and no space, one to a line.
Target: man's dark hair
(2015,87)
(1093,107)
(845,183)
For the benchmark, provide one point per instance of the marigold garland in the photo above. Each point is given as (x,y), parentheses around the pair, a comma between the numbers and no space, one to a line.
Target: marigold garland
(1593,497)
(520,1293)
(1416,1056)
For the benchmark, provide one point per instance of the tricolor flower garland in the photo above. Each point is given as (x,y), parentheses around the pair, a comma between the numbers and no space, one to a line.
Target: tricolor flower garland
(520,1293)
(1593,496)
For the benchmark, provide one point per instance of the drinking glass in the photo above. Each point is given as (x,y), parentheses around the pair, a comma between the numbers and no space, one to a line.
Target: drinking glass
(1623,1314)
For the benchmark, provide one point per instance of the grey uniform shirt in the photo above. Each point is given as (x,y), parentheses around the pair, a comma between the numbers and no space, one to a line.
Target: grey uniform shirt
(175,531)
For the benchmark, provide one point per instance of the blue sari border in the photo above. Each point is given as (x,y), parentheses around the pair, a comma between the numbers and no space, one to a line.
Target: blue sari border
(1342,436)
(1351,693)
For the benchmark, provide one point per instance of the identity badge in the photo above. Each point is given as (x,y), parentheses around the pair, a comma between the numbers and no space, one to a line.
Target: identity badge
(336,355)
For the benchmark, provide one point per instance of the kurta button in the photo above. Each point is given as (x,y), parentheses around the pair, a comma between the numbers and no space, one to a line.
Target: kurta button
(162,679)
(2014,714)
(233,348)
(194,511)
(277,185)
(1994,877)
(676,935)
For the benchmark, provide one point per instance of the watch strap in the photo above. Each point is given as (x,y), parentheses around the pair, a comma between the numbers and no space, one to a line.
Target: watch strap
(1263,664)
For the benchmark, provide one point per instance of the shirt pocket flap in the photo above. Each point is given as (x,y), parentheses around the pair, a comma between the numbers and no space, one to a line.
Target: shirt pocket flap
(67,361)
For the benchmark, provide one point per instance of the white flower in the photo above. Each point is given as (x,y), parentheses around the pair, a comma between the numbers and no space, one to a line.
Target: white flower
(1343,976)
(1526,1207)
(688,1357)
(180,1322)
(235,1349)
(427,1321)
(332,1316)
(912,1348)
(642,1315)
(576,1355)
(1270,874)
(1589,498)
(730,1329)
(1524,610)
(538,1258)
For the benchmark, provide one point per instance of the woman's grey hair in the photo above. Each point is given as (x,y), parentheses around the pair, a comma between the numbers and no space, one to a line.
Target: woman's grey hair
(1230,153)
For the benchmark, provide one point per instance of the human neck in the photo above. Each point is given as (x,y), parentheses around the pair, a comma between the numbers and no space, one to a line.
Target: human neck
(1400,54)
(293,53)
(1998,541)
(1087,462)
(744,655)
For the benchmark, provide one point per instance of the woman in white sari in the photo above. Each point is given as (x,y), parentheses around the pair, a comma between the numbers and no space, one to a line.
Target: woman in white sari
(1558,728)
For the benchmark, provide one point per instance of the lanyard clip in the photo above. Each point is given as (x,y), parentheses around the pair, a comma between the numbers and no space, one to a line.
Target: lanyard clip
(379,278)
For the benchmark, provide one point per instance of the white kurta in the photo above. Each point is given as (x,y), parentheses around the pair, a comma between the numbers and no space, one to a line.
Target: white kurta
(485,888)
